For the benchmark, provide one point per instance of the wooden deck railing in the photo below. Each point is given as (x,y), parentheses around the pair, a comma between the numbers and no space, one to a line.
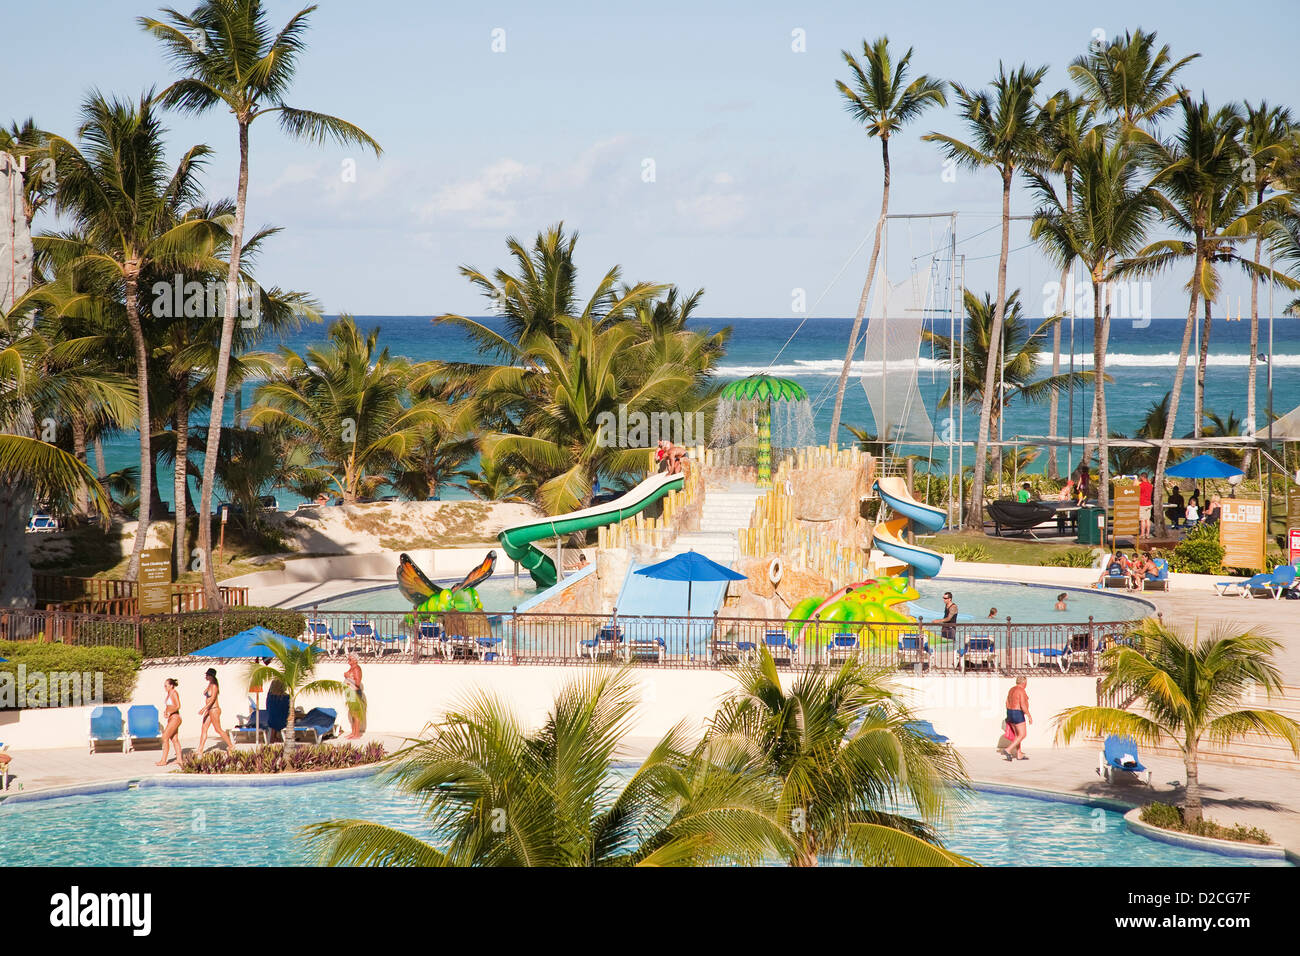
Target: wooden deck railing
(117,598)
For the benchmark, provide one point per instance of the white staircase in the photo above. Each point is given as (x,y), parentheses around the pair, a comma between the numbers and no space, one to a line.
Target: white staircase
(725,512)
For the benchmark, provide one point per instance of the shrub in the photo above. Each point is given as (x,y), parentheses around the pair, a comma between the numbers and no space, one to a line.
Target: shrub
(1074,558)
(1199,552)
(176,635)
(119,666)
(971,552)
(270,758)
(1168,817)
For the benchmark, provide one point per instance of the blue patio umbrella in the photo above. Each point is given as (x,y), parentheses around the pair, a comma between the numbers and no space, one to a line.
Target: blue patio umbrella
(690,567)
(1203,466)
(248,643)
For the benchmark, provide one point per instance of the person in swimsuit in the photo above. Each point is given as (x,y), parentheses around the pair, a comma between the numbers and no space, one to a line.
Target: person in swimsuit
(1060,602)
(172,716)
(355,697)
(949,620)
(211,712)
(1017,715)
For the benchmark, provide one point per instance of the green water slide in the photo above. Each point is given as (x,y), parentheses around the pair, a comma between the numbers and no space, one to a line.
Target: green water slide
(517,541)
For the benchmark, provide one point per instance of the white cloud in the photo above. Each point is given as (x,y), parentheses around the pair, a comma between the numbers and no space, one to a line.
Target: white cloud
(486,200)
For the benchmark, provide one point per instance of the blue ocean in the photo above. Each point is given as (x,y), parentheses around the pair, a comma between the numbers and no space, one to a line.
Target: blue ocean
(1141,363)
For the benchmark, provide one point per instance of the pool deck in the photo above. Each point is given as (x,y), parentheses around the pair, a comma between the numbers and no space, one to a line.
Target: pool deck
(1273,804)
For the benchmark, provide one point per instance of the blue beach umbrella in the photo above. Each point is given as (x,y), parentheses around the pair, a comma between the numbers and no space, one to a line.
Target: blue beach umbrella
(690,567)
(249,643)
(1203,466)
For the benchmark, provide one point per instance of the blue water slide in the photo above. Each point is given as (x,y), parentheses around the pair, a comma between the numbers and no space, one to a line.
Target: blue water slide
(923,517)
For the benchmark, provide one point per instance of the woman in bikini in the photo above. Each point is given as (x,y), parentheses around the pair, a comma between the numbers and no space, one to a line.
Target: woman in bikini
(211,712)
(172,715)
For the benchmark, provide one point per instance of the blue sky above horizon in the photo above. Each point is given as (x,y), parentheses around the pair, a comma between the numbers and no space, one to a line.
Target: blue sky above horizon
(762,183)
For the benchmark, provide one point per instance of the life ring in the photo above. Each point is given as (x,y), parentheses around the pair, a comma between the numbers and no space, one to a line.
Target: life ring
(775,570)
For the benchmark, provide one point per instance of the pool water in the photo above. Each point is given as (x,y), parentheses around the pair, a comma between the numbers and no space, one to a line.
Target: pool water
(259,826)
(498,594)
(1026,603)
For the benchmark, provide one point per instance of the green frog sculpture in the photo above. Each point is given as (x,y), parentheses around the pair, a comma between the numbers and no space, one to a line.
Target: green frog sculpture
(865,602)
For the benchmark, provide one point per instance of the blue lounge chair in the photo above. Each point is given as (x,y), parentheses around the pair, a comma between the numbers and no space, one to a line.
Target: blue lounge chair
(1115,576)
(1242,588)
(143,729)
(1078,645)
(1282,580)
(1160,580)
(607,642)
(779,646)
(361,634)
(314,726)
(923,728)
(733,652)
(40,521)
(645,648)
(913,649)
(1120,755)
(980,649)
(842,647)
(489,648)
(106,730)
(430,638)
(319,633)
(250,728)
(383,644)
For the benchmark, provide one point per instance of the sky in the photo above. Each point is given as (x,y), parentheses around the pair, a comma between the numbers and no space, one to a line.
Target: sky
(702,144)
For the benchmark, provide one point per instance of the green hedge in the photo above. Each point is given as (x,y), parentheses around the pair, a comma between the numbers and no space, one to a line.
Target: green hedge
(119,666)
(158,636)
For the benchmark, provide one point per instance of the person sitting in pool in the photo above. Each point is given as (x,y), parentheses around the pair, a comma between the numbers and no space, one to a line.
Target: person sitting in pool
(949,620)
(993,613)
(1017,715)
(172,716)
(1060,602)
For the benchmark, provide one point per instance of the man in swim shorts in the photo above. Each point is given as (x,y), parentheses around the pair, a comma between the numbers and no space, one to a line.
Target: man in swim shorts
(1017,715)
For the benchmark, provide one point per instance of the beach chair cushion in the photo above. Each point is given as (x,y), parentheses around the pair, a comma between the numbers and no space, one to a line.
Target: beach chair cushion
(106,728)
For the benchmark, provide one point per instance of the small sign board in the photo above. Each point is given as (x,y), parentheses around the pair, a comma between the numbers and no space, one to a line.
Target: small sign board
(1293,544)
(1293,505)
(1241,532)
(1125,510)
(156,581)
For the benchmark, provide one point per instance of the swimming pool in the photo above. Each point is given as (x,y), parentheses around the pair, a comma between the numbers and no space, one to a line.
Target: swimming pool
(258,826)
(498,594)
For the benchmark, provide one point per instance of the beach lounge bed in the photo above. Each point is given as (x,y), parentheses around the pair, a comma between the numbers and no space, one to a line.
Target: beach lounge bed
(430,638)
(1120,755)
(143,728)
(384,644)
(489,648)
(1160,580)
(361,637)
(250,728)
(913,649)
(842,647)
(1078,645)
(1241,588)
(733,652)
(645,649)
(106,730)
(1280,581)
(923,728)
(40,521)
(980,650)
(314,726)
(1113,580)
(607,642)
(319,633)
(780,647)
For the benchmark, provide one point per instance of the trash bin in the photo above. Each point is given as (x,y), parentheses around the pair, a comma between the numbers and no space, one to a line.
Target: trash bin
(1091,524)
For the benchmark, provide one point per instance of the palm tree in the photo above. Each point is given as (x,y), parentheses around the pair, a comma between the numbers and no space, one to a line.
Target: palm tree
(1019,352)
(295,668)
(1191,690)
(1271,140)
(1109,220)
(228,55)
(1130,79)
(127,206)
(349,401)
(495,482)
(882,100)
(1005,136)
(498,794)
(839,754)
(1066,120)
(1198,190)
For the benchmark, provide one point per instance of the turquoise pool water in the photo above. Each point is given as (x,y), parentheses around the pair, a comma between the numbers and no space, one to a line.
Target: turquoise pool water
(258,826)
(498,594)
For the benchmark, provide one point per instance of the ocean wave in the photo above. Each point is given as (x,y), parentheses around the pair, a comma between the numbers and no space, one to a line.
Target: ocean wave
(831,367)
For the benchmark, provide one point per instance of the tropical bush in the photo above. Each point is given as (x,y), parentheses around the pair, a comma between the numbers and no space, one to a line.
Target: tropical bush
(175,635)
(971,552)
(1074,558)
(1168,817)
(273,758)
(1199,552)
(119,666)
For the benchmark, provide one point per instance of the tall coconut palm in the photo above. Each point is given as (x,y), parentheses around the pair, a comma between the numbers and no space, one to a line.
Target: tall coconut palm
(1130,79)
(839,753)
(350,401)
(497,793)
(295,668)
(1109,221)
(229,55)
(1271,140)
(126,205)
(1197,180)
(1004,136)
(882,100)
(1018,351)
(1191,690)
(1065,119)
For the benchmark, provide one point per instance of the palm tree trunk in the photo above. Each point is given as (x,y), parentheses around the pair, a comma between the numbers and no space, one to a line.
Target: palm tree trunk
(1198,419)
(146,421)
(1158,514)
(975,514)
(181,485)
(288,728)
(212,596)
(100,469)
(1053,418)
(1251,394)
(79,449)
(862,302)
(1100,332)
(1192,802)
